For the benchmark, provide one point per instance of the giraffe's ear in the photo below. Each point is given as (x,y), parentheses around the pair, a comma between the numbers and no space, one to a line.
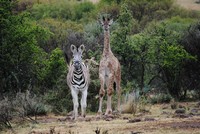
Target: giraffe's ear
(111,21)
(81,48)
(100,21)
(104,19)
(73,48)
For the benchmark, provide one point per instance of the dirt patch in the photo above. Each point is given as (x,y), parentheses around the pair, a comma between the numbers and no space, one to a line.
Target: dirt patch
(189,4)
(154,122)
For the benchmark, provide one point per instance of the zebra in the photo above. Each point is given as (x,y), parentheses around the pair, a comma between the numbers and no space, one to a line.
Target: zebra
(78,79)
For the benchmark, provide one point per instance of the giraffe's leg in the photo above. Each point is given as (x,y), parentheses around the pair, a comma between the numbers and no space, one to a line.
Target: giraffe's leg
(83,103)
(75,102)
(118,89)
(101,93)
(109,93)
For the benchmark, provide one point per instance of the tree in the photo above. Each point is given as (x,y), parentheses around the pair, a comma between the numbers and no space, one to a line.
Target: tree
(171,55)
(120,42)
(18,50)
(190,42)
(143,47)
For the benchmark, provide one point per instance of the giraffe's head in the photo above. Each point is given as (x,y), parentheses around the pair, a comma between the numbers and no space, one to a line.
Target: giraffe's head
(106,23)
(77,56)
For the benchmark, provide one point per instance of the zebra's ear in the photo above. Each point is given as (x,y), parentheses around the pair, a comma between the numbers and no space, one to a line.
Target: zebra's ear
(73,48)
(81,48)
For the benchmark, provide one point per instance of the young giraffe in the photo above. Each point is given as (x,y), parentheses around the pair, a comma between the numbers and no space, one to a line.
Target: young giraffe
(109,70)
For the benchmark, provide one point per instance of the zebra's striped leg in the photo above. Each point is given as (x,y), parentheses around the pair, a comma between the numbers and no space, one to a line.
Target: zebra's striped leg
(83,103)
(75,102)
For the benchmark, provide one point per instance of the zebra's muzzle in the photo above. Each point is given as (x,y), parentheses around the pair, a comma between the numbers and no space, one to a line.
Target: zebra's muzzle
(77,65)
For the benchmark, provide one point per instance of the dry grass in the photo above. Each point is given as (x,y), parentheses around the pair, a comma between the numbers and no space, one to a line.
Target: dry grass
(164,122)
(189,4)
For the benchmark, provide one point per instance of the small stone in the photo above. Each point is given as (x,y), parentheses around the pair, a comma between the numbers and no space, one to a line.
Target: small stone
(134,120)
(125,118)
(180,111)
(88,119)
(181,116)
(173,106)
(164,107)
(181,106)
(194,111)
(198,104)
(109,119)
(149,119)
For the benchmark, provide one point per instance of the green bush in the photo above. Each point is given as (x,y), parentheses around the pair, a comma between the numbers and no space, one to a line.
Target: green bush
(57,9)
(19,49)
(59,97)
(83,9)
(60,30)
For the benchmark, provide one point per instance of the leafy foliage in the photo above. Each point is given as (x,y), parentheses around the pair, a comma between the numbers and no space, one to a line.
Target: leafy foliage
(171,55)
(120,40)
(19,37)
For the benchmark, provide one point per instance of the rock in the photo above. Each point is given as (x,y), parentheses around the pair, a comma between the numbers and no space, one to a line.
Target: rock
(125,118)
(109,119)
(198,104)
(108,116)
(116,112)
(149,119)
(181,116)
(180,111)
(173,106)
(134,120)
(181,106)
(194,110)
(88,119)
(136,132)
(165,113)
(165,107)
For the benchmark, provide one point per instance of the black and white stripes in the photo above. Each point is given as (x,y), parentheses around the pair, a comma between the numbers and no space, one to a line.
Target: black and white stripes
(78,79)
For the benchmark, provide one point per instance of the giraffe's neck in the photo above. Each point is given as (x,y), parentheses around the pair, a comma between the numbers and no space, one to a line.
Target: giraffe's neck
(106,49)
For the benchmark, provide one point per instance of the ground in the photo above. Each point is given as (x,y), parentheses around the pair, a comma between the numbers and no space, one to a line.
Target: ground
(189,4)
(158,119)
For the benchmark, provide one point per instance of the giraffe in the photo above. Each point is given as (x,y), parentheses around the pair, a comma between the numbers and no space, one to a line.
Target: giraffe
(109,70)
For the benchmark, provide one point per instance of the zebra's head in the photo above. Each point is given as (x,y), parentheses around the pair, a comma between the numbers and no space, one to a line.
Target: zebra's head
(77,56)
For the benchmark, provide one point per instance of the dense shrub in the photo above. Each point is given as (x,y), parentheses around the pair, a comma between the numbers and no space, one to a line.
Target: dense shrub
(6,113)
(160,98)
(59,97)
(60,10)
(19,50)
(27,105)
(23,106)
(83,9)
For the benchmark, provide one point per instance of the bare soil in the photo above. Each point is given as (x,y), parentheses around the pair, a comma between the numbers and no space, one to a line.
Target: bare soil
(160,119)
(189,4)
